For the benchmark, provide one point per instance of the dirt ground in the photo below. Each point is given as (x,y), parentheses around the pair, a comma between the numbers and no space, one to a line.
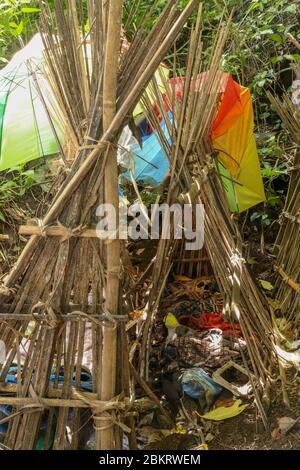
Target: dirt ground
(246,431)
(243,432)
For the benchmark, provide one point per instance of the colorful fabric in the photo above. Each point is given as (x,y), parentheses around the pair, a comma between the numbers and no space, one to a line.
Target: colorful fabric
(86,382)
(207,321)
(232,137)
(225,412)
(209,349)
(150,163)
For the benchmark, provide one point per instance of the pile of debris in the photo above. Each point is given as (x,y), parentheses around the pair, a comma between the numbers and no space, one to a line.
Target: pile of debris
(197,358)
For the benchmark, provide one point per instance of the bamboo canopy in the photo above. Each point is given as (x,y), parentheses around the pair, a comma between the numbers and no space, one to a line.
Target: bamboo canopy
(194,178)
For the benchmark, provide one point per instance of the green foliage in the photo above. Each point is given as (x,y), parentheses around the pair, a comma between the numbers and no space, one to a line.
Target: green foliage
(259,35)
(149,197)
(18,183)
(17,19)
(262,217)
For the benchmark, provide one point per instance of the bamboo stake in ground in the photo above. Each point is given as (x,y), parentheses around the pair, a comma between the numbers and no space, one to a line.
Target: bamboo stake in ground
(106,433)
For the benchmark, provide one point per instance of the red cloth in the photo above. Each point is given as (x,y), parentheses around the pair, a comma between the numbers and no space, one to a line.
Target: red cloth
(207,321)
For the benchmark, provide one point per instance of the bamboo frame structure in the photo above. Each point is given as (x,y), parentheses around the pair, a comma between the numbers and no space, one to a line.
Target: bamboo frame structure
(194,178)
(287,244)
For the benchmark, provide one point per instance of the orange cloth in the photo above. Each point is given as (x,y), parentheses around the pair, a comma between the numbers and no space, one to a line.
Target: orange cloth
(207,321)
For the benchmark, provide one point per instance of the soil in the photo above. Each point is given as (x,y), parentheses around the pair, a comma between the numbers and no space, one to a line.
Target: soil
(243,432)
(246,431)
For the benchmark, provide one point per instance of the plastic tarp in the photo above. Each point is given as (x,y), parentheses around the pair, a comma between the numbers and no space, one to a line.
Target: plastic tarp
(25,130)
(232,137)
(150,163)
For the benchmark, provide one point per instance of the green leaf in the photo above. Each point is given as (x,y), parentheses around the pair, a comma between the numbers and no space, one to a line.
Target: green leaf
(261,83)
(2,217)
(28,173)
(16,29)
(276,38)
(266,285)
(292,57)
(277,59)
(254,6)
(291,9)
(273,200)
(269,172)
(255,216)
(7,185)
(30,10)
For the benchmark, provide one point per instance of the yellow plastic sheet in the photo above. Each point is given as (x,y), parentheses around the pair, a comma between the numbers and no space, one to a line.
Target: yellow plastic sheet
(233,138)
(225,412)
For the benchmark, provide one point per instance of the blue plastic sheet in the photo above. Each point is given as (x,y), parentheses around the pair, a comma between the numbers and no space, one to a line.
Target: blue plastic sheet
(153,165)
(196,382)
(85,378)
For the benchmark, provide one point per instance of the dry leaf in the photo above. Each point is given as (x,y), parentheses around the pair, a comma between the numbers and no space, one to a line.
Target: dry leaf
(285,423)
(179,277)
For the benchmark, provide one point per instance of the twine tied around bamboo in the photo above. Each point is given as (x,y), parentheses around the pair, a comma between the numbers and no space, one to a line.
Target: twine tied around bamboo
(287,279)
(70,232)
(110,420)
(106,143)
(67,232)
(104,419)
(7,291)
(203,170)
(42,227)
(237,260)
(112,318)
(283,274)
(45,314)
(287,215)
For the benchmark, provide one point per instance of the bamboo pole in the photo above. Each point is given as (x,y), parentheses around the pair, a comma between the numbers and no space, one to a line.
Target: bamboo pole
(105,436)
(56,231)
